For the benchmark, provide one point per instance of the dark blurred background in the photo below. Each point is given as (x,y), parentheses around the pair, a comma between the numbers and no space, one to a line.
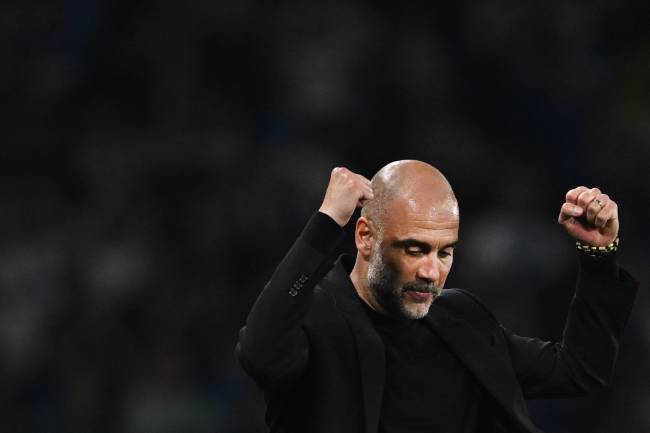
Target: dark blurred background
(159,158)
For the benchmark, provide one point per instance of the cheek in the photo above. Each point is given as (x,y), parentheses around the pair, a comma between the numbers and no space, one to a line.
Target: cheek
(445,268)
(406,270)
(400,271)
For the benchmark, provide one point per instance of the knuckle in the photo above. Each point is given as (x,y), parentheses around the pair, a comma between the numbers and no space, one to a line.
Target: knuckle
(574,193)
(582,200)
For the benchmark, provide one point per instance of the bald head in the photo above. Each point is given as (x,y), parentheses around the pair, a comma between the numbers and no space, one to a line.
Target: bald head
(409,186)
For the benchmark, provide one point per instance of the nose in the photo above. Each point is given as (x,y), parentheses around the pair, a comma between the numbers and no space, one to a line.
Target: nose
(429,269)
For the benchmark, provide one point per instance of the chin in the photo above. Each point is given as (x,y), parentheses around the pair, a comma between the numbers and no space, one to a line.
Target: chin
(415,311)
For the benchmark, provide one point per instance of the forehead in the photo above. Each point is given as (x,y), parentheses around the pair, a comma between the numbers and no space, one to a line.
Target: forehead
(425,219)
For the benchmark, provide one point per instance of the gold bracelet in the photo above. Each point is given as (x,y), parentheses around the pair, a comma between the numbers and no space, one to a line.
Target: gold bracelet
(598,251)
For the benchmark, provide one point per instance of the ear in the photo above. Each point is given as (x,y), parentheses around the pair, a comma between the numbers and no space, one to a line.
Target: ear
(364,237)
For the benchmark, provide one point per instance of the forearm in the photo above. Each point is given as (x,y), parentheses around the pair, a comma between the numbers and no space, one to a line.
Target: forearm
(272,343)
(584,359)
(597,317)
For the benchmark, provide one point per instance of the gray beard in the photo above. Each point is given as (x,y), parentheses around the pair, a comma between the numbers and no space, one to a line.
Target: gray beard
(381,282)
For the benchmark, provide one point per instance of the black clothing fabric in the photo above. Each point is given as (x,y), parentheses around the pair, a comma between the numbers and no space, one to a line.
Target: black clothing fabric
(310,346)
(427,388)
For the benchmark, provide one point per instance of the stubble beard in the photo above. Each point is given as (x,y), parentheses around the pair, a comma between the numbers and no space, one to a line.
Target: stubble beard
(393,299)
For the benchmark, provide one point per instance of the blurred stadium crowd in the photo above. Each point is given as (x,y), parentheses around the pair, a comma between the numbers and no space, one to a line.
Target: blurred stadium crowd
(159,158)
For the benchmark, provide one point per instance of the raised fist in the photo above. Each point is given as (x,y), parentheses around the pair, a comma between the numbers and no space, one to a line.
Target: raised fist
(590,216)
(345,192)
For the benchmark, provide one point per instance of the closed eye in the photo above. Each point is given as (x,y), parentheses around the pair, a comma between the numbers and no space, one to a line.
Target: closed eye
(413,251)
(445,253)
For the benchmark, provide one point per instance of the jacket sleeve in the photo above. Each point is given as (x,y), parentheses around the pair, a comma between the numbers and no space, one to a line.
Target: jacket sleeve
(272,345)
(584,360)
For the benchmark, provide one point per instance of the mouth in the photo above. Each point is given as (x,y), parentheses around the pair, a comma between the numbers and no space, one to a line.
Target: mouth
(419,296)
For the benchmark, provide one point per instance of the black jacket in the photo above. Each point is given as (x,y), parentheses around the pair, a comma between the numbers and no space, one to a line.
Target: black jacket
(311,348)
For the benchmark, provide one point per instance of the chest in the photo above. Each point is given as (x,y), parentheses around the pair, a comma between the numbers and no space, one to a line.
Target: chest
(426,384)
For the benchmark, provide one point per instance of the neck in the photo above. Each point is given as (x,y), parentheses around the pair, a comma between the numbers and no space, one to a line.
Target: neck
(359,277)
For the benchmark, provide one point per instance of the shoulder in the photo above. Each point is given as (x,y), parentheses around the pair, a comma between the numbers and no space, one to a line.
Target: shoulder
(464,304)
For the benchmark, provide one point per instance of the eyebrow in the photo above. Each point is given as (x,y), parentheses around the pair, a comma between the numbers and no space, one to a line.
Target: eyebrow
(410,242)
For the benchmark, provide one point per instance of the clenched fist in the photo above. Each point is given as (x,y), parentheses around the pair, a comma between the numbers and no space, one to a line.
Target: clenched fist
(345,192)
(590,216)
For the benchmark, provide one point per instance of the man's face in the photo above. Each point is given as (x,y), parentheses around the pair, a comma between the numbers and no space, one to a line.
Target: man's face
(410,262)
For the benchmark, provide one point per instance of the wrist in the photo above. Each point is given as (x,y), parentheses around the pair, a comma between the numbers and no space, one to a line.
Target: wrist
(322,233)
(601,251)
(333,215)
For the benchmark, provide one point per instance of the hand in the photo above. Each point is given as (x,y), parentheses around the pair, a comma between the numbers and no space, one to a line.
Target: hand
(590,216)
(345,192)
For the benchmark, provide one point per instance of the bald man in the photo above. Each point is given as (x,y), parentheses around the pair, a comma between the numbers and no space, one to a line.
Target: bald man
(373,344)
